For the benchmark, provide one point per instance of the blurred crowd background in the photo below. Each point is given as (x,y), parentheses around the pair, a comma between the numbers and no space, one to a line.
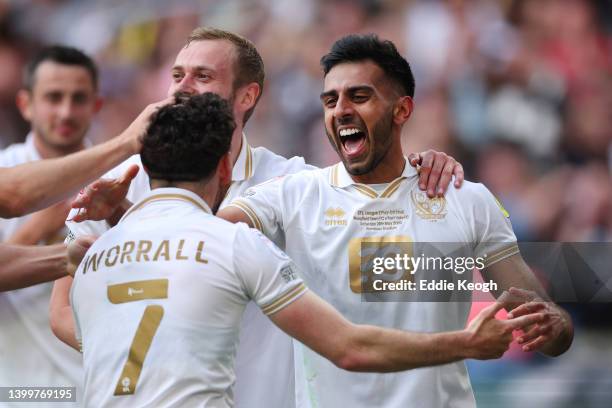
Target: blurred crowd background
(520,91)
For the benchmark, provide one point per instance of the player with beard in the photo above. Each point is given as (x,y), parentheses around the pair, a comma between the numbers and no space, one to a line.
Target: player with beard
(229,65)
(158,299)
(328,219)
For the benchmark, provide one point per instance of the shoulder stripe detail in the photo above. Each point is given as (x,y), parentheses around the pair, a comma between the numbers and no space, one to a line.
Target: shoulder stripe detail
(249,212)
(513,249)
(284,300)
(164,197)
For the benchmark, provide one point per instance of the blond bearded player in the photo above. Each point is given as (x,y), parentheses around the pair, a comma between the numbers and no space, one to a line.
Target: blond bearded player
(158,299)
(229,65)
(327,217)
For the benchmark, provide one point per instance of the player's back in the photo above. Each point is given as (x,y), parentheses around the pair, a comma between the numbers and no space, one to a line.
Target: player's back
(157,304)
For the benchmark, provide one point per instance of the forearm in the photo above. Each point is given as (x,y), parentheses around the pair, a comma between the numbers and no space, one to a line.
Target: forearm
(24,266)
(383,350)
(31,232)
(60,313)
(36,185)
(27,234)
(367,348)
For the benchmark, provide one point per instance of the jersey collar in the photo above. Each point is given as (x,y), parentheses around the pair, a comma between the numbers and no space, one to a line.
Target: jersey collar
(168,194)
(339,177)
(243,168)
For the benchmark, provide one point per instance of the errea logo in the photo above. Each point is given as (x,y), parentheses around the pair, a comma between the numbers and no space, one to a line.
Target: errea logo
(335,217)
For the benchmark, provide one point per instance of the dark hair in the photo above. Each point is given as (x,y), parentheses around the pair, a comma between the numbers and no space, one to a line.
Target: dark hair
(186,140)
(61,55)
(354,48)
(248,66)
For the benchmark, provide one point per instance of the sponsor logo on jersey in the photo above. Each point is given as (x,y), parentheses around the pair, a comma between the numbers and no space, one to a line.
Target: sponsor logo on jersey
(335,217)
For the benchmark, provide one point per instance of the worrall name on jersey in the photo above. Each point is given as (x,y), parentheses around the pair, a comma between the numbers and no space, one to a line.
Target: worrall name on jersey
(144,251)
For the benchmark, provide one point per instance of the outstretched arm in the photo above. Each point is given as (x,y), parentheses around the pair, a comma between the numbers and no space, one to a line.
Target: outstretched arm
(555,334)
(35,185)
(60,313)
(23,266)
(370,348)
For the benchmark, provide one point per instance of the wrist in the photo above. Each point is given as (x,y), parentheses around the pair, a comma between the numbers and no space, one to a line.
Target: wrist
(126,144)
(464,344)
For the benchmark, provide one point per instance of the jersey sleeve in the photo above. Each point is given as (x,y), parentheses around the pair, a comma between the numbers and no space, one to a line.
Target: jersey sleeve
(269,276)
(77,229)
(263,205)
(495,239)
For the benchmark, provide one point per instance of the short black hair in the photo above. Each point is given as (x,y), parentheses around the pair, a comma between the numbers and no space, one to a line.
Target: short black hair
(358,47)
(59,54)
(186,140)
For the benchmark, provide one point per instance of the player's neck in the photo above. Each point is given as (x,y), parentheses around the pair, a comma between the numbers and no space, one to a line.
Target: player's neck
(48,151)
(236,145)
(389,168)
(205,190)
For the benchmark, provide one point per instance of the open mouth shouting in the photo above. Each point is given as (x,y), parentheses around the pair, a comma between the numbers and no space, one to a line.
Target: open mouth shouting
(353,141)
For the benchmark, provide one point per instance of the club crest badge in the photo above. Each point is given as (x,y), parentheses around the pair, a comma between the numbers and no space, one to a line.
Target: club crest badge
(428,208)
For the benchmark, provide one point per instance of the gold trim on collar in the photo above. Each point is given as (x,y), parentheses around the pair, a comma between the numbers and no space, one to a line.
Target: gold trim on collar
(364,188)
(248,170)
(367,190)
(160,197)
(392,188)
(333,175)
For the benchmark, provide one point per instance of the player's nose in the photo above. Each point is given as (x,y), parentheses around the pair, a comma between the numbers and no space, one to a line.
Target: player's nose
(343,108)
(186,86)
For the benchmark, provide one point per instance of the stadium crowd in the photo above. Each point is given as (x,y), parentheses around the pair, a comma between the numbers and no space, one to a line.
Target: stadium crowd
(519,91)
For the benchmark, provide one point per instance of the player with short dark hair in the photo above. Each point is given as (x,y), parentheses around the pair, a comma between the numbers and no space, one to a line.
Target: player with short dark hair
(334,220)
(59,54)
(356,48)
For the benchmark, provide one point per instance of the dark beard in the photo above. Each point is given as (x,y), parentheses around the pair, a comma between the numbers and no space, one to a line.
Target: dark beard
(182,97)
(381,135)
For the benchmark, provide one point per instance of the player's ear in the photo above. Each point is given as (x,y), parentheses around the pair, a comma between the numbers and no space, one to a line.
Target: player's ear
(247,96)
(24,103)
(403,109)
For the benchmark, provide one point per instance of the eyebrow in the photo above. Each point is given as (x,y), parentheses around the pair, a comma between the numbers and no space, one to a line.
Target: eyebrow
(196,68)
(351,89)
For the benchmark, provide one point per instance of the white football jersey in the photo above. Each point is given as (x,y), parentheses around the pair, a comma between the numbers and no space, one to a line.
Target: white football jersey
(158,302)
(265,354)
(328,222)
(30,355)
